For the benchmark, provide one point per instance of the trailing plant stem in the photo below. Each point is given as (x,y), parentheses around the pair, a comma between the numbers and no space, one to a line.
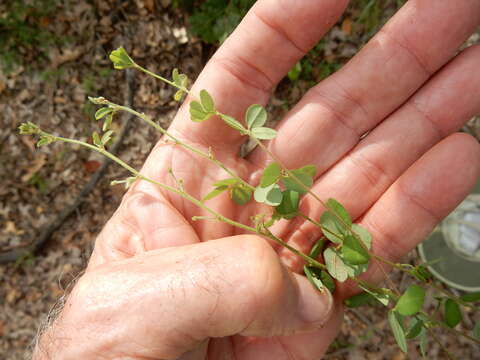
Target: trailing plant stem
(171,83)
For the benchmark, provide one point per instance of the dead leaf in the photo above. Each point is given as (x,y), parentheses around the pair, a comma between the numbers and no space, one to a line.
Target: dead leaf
(11,228)
(347,26)
(29,142)
(37,165)
(91,165)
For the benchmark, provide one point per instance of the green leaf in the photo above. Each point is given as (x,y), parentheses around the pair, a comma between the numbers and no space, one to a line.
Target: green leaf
(383,298)
(335,265)
(176,76)
(270,195)
(313,275)
(215,192)
(241,194)
(317,248)
(230,121)
(336,208)
(45,140)
(100,113)
(230,181)
(271,174)
(264,133)
(178,95)
(256,116)
(421,273)
(363,234)
(476,330)
(452,313)
(197,113)
(358,300)
(207,101)
(28,128)
(96,139)
(411,301)
(108,122)
(472,297)
(304,175)
(395,322)
(332,228)
(415,328)
(120,59)
(353,252)
(295,72)
(327,281)
(355,270)
(106,137)
(288,208)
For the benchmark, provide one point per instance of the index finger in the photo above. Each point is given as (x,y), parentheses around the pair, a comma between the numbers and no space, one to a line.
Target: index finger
(272,37)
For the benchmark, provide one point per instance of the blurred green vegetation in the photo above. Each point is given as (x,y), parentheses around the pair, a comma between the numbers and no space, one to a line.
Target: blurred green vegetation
(24,31)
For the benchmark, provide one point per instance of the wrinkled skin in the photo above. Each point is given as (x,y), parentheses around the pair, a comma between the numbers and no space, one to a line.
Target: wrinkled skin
(156,289)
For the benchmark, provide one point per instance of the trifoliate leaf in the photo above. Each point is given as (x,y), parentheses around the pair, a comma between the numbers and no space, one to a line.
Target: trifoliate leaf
(411,301)
(288,208)
(471,297)
(452,313)
(271,174)
(241,194)
(264,133)
(197,112)
(336,208)
(28,128)
(120,59)
(353,252)
(332,228)
(207,101)
(230,121)
(363,234)
(256,116)
(395,321)
(335,265)
(270,195)
(215,192)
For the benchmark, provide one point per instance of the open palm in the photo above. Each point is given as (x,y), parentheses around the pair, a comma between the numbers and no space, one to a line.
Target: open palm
(380,131)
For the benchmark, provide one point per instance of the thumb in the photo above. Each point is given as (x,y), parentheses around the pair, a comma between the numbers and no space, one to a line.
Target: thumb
(166,302)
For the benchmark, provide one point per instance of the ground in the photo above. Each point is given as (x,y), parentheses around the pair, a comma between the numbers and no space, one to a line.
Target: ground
(38,184)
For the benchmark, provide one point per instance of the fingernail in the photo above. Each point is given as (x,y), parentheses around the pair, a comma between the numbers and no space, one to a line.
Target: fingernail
(314,306)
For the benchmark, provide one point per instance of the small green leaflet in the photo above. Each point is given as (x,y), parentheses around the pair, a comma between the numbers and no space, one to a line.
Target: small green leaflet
(319,278)
(363,234)
(256,116)
(317,248)
(415,328)
(423,343)
(304,175)
(411,301)
(263,133)
(120,59)
(332,228)
(230,121)
(106,137)
(100,113)
(215,192)
(288,208)
(241,194)
(230,181)
(452,313)
(107,122)
(382,298)
(197,112)
(181,81)
(358,300)
(353,252)
(270,195)
(295,72)
(96,139)
(45,140)
(335,265)
(472,297)
(271,174)
(207,101)
(336,208)
(395,321)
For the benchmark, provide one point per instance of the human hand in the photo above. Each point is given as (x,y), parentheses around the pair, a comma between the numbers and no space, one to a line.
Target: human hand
(153,289)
